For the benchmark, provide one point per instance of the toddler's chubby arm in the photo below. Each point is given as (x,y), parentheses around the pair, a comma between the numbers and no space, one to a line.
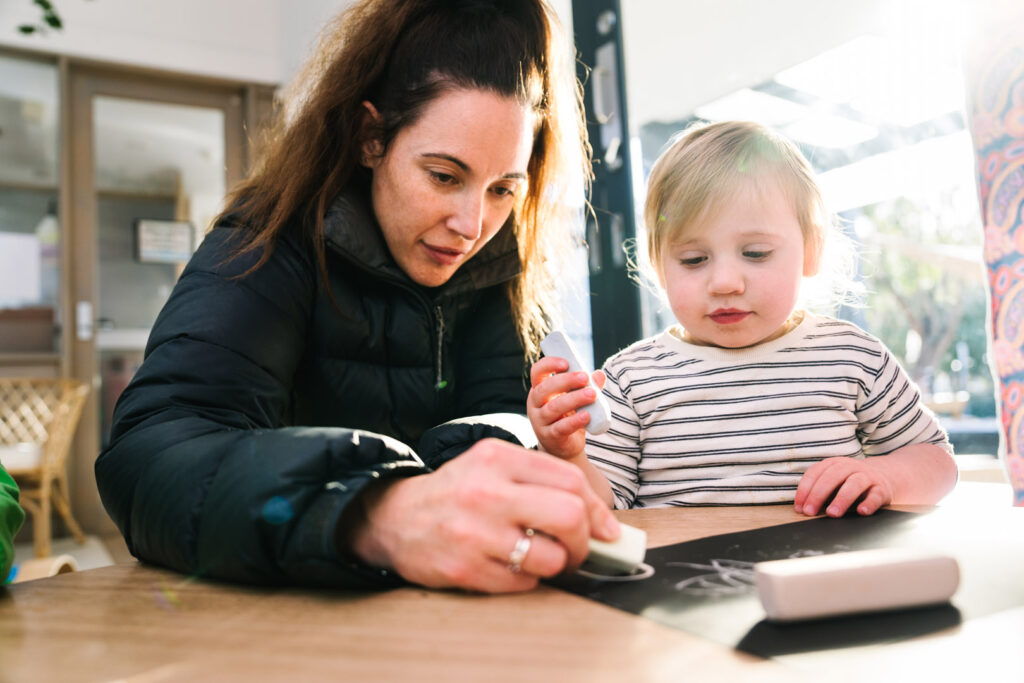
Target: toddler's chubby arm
(916,474)
(553,408)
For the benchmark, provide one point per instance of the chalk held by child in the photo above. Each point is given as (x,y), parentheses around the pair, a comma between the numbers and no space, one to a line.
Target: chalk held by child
(748,400)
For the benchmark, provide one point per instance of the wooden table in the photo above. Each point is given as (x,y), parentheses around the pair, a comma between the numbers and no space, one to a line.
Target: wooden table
(137,623)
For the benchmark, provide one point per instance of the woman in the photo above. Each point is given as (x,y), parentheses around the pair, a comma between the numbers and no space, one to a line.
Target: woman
(373,294)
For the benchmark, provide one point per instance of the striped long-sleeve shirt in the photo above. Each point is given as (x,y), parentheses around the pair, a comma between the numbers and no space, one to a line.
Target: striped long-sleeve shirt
(700,425)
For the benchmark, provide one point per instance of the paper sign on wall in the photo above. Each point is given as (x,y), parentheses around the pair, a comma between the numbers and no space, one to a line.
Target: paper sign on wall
(163,241)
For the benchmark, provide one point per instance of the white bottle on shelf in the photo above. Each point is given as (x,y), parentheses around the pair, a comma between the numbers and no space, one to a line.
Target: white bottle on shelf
(48,236)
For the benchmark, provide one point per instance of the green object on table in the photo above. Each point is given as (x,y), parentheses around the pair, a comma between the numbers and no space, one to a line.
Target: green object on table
(11,518)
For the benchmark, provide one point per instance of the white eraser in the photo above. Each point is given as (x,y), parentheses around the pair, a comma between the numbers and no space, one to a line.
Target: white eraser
(558,345)
(623,554)
(851,582)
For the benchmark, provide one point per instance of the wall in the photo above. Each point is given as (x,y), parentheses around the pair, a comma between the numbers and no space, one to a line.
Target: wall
(300,28)
(301,25)
(265,40)
(234,39)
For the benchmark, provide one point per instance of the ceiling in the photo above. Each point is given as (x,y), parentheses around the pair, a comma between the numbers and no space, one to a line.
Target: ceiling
(848,81)
(870,91)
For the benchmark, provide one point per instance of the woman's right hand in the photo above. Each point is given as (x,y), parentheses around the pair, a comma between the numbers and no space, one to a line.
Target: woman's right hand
(457,527)
(554,403)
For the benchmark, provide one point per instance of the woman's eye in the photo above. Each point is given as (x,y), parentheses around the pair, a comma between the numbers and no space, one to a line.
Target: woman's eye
(442,178)
(756,254)
(507,190)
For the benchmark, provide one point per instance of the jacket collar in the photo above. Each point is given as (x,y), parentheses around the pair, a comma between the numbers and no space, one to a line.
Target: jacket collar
(351,231)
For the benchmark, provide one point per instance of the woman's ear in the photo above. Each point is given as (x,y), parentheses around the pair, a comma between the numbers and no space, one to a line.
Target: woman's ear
(372,148)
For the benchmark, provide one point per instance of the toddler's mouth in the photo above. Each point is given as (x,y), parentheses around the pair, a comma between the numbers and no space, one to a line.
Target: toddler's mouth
(728,316)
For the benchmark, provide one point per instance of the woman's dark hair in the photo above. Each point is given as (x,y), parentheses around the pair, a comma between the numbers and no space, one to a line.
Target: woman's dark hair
(400,55)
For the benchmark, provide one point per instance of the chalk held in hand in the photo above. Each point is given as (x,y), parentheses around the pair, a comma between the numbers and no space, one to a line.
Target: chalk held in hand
(622,555)
(558,345)
(854,582)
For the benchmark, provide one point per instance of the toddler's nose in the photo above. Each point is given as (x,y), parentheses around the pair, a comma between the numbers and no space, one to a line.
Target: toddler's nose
(726,278)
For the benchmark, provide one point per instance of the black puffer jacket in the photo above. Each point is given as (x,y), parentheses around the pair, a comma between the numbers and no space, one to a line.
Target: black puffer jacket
(262,410)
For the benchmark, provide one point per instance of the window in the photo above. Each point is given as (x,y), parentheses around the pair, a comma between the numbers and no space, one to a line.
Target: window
(29,231)
(873,94)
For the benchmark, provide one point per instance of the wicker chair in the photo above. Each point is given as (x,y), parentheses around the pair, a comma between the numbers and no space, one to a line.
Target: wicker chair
(38,418)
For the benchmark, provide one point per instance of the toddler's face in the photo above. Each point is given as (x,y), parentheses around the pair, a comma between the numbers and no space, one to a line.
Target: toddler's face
(733,279)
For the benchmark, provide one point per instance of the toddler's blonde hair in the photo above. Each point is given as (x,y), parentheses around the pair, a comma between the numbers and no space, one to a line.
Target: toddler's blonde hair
(707,164)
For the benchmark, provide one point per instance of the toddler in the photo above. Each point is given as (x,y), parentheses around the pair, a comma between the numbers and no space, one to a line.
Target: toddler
(749,400)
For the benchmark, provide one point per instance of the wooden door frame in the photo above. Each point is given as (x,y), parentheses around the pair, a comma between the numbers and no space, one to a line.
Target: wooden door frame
(84,82)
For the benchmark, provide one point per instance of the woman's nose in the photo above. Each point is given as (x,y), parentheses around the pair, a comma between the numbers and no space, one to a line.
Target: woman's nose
(467,217)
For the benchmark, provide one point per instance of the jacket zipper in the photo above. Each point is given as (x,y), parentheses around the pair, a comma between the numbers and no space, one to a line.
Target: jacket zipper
(439,383)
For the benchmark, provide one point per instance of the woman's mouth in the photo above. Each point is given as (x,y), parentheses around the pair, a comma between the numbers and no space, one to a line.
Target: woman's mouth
(444,256)
(728,316)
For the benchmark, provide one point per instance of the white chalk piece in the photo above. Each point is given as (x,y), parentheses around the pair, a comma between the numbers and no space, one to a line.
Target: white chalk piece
(558,345)
(624,554)
(854,582)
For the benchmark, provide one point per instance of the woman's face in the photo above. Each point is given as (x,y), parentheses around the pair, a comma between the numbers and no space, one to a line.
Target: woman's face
(449,181)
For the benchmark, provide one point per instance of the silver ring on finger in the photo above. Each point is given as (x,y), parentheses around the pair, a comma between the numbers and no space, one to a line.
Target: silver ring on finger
(519,552)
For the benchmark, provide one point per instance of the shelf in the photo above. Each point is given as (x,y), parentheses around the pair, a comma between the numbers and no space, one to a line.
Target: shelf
(28,186)
(18,358)
(129,339)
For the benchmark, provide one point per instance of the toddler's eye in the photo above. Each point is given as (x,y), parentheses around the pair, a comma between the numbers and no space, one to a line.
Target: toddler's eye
(692,261)
(756,254)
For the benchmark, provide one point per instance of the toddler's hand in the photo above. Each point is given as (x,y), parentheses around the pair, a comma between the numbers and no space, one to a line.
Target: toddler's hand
(851,480)
(553,406)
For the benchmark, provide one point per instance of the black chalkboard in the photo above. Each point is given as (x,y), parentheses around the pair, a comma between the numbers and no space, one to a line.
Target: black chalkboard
(705,587)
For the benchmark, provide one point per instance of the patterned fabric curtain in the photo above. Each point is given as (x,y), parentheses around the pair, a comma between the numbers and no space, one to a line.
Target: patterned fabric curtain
(995,77)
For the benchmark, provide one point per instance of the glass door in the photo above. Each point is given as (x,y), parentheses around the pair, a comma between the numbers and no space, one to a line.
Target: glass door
(159,181)
(151,163)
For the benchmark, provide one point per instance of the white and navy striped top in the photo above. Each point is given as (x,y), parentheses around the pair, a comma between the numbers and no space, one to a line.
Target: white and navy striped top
(700,425)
